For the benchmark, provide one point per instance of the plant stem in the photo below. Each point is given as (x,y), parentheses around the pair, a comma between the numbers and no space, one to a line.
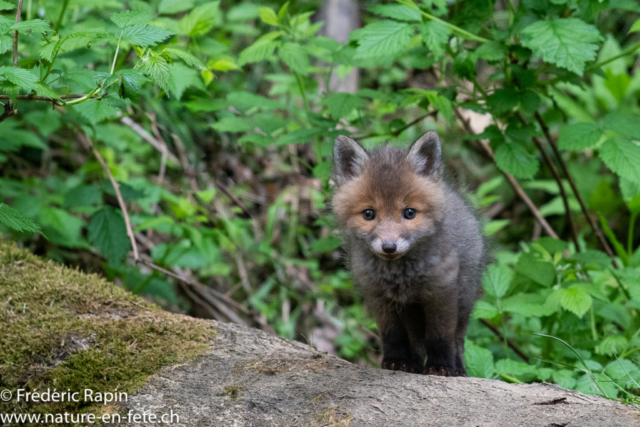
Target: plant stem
(65,3)
(113,64)
(594,332)
(454,28)
(634,216)
(574,188)
(84,98)
(510,342)
(556,176)
(15,35)
(302,92)
(613,58)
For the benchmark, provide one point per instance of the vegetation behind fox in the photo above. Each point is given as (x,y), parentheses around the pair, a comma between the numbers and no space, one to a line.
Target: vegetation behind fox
(414,247)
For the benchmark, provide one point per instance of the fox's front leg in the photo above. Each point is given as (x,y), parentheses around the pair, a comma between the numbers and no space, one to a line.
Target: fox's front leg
(395,340)
(441,316)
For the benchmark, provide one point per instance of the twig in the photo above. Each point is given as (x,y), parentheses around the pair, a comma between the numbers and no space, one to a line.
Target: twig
(43,98)
(556,175)
(511,180)
(150,139)
(15,35)
(414,122)
(574,188)
(84,138)
(509,341)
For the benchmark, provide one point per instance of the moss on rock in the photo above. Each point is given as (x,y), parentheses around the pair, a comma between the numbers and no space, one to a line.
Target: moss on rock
(63,329)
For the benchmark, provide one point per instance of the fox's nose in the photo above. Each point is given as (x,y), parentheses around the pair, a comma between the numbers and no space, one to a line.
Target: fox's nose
(389,248)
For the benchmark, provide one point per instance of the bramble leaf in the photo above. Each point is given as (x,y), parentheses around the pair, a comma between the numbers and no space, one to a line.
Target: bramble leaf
(381,38)
(579,136)
(108,233)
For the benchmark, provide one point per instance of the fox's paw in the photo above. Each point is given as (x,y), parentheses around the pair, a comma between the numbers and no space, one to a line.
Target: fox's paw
(396,365)
(441,371)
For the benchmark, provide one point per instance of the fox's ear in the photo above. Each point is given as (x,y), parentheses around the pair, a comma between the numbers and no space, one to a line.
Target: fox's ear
(348,159)
(425,155)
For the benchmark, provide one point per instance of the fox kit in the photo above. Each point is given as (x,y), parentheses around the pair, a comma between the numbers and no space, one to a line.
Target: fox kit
(415,249)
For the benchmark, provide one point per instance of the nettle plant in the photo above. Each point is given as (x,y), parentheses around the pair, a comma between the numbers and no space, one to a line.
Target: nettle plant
(554,77)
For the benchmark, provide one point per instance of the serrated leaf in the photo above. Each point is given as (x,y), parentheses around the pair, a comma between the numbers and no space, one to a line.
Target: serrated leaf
(536,269)
(623,123)
(157,69)
(491,51)
(382,38)
(144,35)
(514,159)
(83,195)
(19,77)
(96,111)
(183,77)
(17,221)
(223,64)
(34,26)
(259,51)
(479,361)
(129,17)
(527,305)
(397,11)
(576,301)
(43,90)
(503,100)
(496,280)
(268,16)
(6,43)
(622,157)
(435,36)
(188,58)
(511,367)
(341,104)
(579,136)
(108,233)
(612,345)
(484,310)
(200,20)
(568,43)
(295,57)
(131,82)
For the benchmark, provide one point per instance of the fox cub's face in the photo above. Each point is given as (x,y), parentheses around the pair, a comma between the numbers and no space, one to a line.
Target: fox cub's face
(388,198)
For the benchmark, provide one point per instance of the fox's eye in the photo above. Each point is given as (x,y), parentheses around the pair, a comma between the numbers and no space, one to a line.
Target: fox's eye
(409,213)
(368,214)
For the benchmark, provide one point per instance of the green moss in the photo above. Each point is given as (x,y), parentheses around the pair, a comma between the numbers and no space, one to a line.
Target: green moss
(67,330)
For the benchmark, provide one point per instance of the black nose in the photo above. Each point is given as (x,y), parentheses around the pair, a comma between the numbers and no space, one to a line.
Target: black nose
(389,248)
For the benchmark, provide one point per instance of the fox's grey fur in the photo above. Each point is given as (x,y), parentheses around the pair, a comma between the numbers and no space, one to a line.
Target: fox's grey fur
(422,299)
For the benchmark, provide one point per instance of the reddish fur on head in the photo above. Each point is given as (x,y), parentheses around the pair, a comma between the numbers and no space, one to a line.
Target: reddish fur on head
(388,180)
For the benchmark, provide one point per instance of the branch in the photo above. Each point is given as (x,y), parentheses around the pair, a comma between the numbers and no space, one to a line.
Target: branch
(162,148)
(556,175)
(509,341)
(511,180)
(15,35)
(86,141)
(583,206)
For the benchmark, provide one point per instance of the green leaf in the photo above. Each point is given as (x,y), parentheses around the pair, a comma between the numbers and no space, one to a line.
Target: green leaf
(612,345)
(129,17)
(622,156)
(479,361)
(83,195)
(623,123)
(17,221)
(381,38)
(536,269)
(169,7)
(484,310)
(232,124)
(188,58)
(96,111)
(299,136)
(511,367)
(295,57)
(6,43)
(576,301)
(491,51)
(19,76)
(62,228)
(635,27)
(183,77)
(157,69)
(436,36)
(513,158)
(631,194)
(4,5)
(496,280)
(201,19)
(130,82)
(579,136)
(326,244)
(492,227)
(503,100)
(568,43)
(144,35)
(259,51)
(396,11)
(341,104)
(108,233)
(34,26)
(268,16)
(245,101)
(527,305)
